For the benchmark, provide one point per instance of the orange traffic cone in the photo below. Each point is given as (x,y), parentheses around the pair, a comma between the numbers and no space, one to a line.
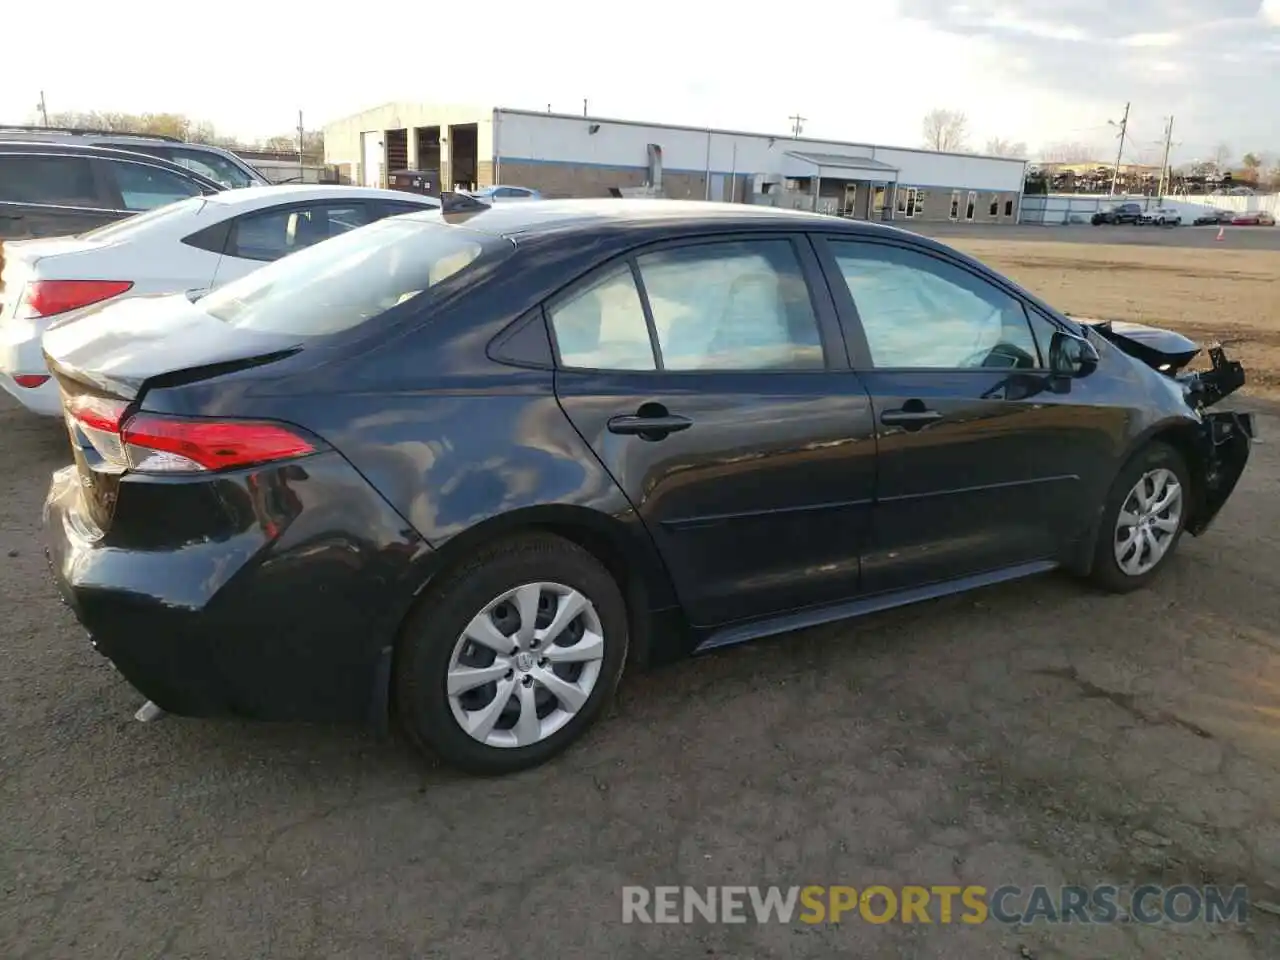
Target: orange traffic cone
(1222,234)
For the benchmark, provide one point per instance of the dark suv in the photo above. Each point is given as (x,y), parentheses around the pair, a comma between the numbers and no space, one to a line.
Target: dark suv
(56,189)
(1120,213)
(203,158)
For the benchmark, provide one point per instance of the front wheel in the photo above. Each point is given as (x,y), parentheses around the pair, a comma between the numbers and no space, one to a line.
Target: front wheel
(513,656)
(1145,514)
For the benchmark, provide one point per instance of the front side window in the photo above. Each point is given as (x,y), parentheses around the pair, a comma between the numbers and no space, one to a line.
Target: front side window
(921,312)
(272,234)
(732,306)
(58,181)
(145,188)
(351,279)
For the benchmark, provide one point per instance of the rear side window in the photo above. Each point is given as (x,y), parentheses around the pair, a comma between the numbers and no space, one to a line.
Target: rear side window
(353,278)
(144,188)
(62,181)
(732,306)
(393,208)
(601,326)
(276,233)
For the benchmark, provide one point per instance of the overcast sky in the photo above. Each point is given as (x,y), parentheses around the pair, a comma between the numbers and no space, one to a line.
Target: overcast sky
(1037,71)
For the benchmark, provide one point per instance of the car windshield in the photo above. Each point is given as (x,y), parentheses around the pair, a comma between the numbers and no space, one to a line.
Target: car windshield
(343,282)
(217,168)
(123,229)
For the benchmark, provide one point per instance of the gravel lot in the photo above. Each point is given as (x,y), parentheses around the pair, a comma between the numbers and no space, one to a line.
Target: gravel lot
(1169,278)
(1235,238)
(1032,733)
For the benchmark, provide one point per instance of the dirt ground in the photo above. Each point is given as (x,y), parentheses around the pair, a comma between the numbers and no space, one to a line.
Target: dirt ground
(1033,733)
(1208,294)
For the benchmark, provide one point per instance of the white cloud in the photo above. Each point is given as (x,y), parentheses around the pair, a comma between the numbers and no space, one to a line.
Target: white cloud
(1152,39)
(1020,69)
(1046,29)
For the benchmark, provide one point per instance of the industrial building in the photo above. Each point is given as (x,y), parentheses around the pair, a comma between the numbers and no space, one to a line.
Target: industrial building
(565,155)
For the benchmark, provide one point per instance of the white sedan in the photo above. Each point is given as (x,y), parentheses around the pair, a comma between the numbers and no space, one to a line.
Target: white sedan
(187,247)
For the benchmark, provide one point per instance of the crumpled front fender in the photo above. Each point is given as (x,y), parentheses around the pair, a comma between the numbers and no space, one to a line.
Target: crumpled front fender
(1226,437)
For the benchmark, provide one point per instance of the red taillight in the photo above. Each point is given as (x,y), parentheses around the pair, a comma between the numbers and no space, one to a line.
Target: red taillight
(47,298)
(97,419)
(151,443)
(30,380)
(170,444)
(98,413)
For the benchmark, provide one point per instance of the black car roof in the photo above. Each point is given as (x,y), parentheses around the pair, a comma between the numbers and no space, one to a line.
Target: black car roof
(57,148)
(542,217)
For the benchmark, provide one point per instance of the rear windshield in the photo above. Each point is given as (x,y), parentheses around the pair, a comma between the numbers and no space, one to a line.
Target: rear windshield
(340,283)
(123,229)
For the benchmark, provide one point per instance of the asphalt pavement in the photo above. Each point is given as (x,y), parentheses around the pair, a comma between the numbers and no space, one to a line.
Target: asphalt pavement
(1035,733)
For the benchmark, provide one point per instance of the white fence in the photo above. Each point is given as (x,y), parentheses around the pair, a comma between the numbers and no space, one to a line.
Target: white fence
(1060,208)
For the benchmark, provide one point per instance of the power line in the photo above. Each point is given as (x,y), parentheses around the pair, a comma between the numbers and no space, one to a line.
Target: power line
(1164,164)
(1124,126)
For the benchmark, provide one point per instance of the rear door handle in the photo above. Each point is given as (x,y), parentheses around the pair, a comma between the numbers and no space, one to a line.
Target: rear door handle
(649,427)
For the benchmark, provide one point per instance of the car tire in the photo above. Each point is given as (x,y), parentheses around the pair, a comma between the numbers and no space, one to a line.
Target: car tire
(434,647)
(1117,568)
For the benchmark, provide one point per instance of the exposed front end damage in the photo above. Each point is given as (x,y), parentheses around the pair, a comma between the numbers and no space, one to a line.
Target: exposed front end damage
(1223,437)
(1226,436)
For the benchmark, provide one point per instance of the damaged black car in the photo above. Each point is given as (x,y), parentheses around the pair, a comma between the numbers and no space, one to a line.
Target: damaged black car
(460,470)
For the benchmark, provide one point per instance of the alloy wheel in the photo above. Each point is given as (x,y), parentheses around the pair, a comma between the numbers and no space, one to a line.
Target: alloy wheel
(525,665)
(1148,522)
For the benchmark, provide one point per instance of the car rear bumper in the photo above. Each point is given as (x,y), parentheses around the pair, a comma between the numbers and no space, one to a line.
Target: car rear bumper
(20,354)
(44,399)
(289,612)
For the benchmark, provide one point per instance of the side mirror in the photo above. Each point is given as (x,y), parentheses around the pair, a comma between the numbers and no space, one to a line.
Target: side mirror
(1072,356)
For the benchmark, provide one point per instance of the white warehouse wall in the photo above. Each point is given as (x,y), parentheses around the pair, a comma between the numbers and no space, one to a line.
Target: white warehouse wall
(527,137)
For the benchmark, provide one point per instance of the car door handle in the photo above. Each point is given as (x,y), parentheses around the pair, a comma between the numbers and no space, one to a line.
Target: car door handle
(653,427)
(909,418)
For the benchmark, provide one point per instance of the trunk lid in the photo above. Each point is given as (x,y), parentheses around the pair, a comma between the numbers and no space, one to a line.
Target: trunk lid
(105,362)
(119,348)
(19,265)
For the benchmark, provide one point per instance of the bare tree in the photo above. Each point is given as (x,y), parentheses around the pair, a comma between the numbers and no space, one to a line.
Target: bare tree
(184,128)
(1069,151)
(1222,156)
(998,147)
(945,130)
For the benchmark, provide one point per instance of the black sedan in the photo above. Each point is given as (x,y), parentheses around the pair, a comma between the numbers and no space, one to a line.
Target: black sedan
(462,469)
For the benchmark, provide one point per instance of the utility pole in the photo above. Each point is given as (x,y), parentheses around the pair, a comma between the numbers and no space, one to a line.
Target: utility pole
(1164,164)
(584,106)
(797,123)
(1124,126)
(302,174)
(44,111)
